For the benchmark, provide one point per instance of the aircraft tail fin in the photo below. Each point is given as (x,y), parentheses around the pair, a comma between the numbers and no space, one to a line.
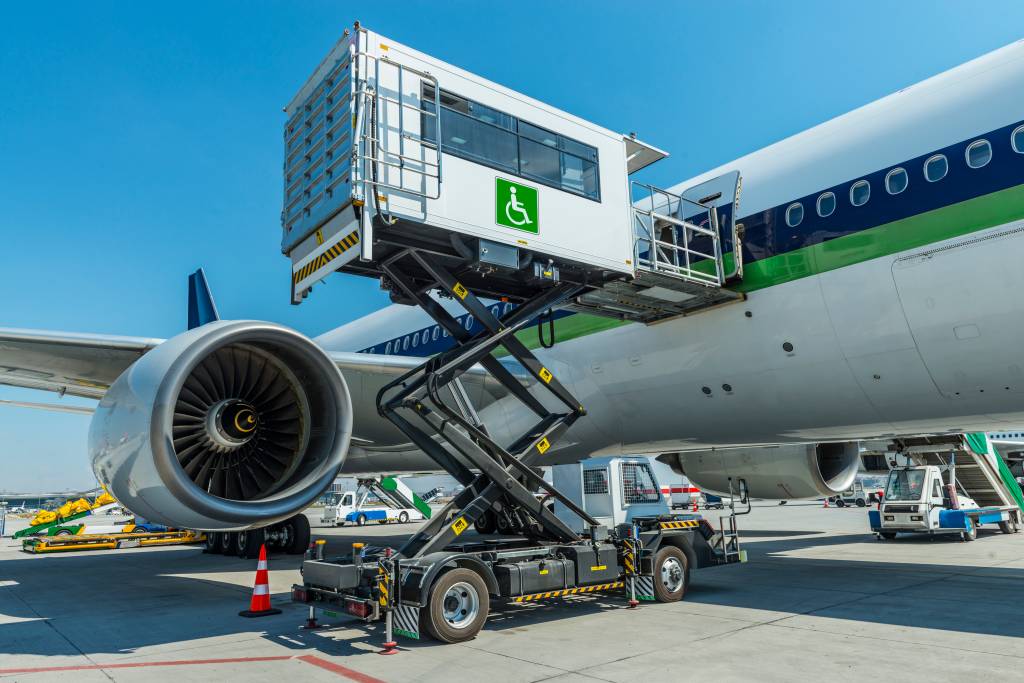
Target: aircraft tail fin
(201,308)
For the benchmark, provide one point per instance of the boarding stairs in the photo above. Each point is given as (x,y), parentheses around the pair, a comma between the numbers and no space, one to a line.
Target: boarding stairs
(978,475)
(393,492)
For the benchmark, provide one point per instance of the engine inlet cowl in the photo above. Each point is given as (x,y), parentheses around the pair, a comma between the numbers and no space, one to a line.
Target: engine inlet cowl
(232,425)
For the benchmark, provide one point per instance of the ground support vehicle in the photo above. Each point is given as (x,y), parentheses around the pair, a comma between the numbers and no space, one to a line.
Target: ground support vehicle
(113,541)
(69,525)
(381,500)
(959,485)
(855,495)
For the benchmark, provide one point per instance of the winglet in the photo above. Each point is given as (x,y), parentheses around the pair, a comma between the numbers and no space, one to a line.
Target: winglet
(201,309)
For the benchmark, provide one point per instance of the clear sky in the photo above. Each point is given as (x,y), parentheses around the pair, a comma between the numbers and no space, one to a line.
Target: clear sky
(139,141)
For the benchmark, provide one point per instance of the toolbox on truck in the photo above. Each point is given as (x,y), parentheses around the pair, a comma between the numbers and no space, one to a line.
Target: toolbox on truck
(535,577)
(593,565)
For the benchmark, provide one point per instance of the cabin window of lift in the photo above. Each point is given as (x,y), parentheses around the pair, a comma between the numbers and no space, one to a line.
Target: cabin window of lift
(860,193)
(794,214)
(978,153)
(936,168)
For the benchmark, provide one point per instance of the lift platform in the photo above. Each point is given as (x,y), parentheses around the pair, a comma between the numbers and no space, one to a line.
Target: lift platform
(60,544)
(389,150)
(433,180)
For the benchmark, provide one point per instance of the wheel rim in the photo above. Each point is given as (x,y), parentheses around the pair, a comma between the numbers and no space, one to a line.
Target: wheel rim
(672,574)
(460,605)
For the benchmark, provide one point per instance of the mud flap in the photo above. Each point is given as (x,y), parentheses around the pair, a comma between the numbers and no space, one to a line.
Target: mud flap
(407,621)
(645,588)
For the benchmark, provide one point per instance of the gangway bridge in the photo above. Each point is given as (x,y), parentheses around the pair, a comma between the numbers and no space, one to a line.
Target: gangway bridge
(431,179)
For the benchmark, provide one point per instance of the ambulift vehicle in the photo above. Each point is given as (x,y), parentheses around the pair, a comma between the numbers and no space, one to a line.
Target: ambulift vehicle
(918,499)
(442,185)
(381,500)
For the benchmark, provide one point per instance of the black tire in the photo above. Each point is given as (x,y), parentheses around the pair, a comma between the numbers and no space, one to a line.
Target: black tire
(886,535)
(229,543)
(840,503)
(64,532)
(671,574)
(299,536)
(1005,527)
(361,520)
(403,517)
(971,533)
(212,543)
(486,524)
(249,543)
(457,606)
(861,503)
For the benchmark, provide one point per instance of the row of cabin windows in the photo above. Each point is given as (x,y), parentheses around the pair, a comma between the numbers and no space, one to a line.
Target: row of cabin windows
(935,168)
(411,341)
(478,133)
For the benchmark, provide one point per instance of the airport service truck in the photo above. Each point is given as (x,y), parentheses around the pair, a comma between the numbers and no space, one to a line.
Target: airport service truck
(919,500)
(381,500)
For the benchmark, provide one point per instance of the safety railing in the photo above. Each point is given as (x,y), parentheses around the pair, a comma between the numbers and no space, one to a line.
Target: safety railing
(667,240)
(389,150)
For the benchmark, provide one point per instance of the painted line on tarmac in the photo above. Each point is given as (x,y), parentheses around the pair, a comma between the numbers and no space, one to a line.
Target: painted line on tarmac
(351,674)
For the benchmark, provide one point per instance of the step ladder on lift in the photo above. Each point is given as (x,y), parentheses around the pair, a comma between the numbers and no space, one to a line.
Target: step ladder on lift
(395,181)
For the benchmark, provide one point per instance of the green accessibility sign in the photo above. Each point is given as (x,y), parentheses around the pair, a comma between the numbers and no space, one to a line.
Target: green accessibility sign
(515,206)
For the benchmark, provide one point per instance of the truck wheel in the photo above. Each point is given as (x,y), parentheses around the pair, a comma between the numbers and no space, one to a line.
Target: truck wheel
(299,534)
(861,503)
(403,517)
(361,520)
(840,503)
(63,532)
(249,543)
(671,574)
(486,524)
(971,533)
(212,543)
(457,606)
(1005,527)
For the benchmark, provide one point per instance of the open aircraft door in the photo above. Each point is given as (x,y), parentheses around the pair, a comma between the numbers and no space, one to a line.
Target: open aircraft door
(722,193)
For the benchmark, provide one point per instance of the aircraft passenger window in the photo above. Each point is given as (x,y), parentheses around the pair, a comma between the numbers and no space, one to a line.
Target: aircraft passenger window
(425,336)
(936,168)
(415,340)
(1017,140)
(433,335)
(896,181)
(860,192)
(794,214)
(826,204)
(387,349)
(508,307)
(469,323)
(405,343)
(979,153)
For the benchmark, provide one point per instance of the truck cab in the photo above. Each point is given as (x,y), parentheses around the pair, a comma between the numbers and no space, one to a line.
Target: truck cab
(919,499)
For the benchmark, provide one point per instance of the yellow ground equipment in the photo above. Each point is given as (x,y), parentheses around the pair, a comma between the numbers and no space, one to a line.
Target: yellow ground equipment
(56,544)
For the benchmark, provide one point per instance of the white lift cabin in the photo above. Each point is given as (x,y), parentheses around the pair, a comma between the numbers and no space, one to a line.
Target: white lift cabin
(388,149)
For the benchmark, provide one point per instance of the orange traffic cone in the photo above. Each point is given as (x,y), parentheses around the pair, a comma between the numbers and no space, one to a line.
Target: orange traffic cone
(826,502)
(259,606)
(694,504)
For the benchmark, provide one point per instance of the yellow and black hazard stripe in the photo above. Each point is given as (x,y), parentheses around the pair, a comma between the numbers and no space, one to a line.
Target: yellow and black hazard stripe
(340,247)
(570,591)
(383,594)
(685,524)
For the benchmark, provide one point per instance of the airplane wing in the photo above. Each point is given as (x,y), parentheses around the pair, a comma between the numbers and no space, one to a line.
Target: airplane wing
(87,364)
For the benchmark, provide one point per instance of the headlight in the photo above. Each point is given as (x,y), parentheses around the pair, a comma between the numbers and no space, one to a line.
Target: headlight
(890,518)
(916,518)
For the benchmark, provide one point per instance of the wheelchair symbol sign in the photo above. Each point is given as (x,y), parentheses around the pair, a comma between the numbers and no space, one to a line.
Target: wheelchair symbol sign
(515,206)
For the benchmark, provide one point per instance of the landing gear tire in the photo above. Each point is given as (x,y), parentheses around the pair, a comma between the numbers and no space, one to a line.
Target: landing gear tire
(457,606)
(971,533)
(886,535)
(486,524)
(298,537)
(212,543)
(671,574)
(249,543)
(361,520)
(403,517)
(227,543)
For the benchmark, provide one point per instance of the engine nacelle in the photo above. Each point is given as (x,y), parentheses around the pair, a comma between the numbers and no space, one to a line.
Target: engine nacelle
(789,471)
(232,425)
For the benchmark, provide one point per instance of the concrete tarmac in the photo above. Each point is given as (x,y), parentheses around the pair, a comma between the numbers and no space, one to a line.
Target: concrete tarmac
(819,599)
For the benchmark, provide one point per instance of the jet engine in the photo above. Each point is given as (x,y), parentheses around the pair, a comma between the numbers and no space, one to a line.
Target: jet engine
(787,471)
(229,426)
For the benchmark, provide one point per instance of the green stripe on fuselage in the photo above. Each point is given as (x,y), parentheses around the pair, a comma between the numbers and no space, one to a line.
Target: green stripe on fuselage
(926,228)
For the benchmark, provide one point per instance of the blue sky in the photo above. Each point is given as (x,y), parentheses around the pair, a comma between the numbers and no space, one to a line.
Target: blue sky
(139,141)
